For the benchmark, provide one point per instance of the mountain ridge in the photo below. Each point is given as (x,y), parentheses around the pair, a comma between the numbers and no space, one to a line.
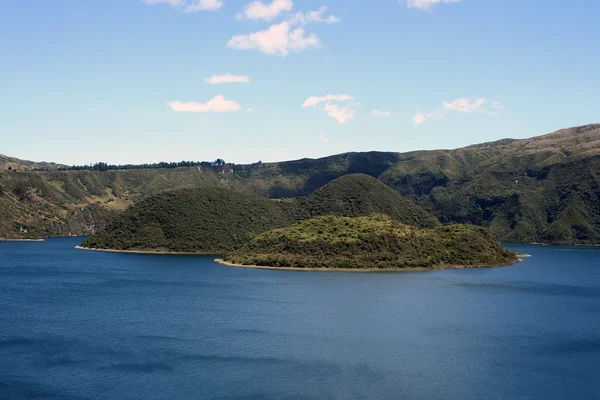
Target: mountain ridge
(12,163)
(555,134)
(541,189)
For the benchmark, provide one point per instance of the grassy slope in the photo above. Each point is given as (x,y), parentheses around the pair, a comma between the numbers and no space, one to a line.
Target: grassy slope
(191,220)
(49,203)
(375,241)
(217,220)
(544,189)
(23,165)
(357,195)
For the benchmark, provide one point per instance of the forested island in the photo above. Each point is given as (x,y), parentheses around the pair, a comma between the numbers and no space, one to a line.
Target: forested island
(540,190)
(217,220)
(353,223)
(375,242)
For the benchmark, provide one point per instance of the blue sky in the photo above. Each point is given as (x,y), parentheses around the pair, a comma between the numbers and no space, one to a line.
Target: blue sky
(128,81)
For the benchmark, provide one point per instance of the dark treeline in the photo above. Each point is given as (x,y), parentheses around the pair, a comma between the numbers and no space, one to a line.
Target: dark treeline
(101,166)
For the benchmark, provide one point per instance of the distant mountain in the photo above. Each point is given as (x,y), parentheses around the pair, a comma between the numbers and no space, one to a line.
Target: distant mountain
(373,242)
(11,163)
(543,189)
(216,220)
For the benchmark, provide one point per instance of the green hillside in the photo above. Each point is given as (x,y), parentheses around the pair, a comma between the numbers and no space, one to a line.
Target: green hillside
(543,189)
(217,220)
(373,242)
(15,164)
(358,195)
(210,220)
(59,203)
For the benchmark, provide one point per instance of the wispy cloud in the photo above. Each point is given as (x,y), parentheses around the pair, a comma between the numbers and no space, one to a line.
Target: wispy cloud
(337,106)
(189,5)
(257,10)
(462,105)
(324,138)
(379,113)
(318,16)
(426,5)
(172,3)
(315,100)
(341,113)
(279,39)
(204,5)
(217,104)
(227,78)
(420,117)
(496,105)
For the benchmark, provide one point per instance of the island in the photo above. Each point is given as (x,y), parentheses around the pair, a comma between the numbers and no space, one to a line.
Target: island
(220,220)
(371,243)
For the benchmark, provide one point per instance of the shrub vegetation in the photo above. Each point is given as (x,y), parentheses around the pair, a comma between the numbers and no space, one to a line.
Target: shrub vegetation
(372,242)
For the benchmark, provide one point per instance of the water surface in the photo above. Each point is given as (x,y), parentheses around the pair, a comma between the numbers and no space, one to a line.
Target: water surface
(90,325)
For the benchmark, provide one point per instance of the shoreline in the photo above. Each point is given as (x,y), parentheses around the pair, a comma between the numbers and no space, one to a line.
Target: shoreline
(353,270)
(21,240)
(369,270)
(160,253)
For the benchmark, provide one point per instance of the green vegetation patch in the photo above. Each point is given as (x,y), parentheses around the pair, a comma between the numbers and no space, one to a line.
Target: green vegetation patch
(358,195)
(209,220)
(372,242)
(217,220)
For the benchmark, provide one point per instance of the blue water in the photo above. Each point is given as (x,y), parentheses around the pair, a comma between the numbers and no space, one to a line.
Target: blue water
(88,325)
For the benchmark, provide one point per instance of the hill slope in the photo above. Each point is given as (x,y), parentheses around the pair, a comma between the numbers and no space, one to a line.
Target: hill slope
(12,163)
(208,220)
(49,203)
(216,220)
(375,241)
(358,195)
(543,189)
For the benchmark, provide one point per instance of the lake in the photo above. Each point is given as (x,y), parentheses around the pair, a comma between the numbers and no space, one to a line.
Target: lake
(88,325)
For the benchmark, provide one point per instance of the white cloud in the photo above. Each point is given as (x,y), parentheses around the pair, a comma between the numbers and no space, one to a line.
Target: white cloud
(204,5)
(279,39)
(341,112)
(217,104)
(461,105)
(313,101)
(172,3)
(227,78)
(324,138)
(259,10)
(426,5)
(379,113)
(464,105)
(421,117)
(318,16)
(189,5)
